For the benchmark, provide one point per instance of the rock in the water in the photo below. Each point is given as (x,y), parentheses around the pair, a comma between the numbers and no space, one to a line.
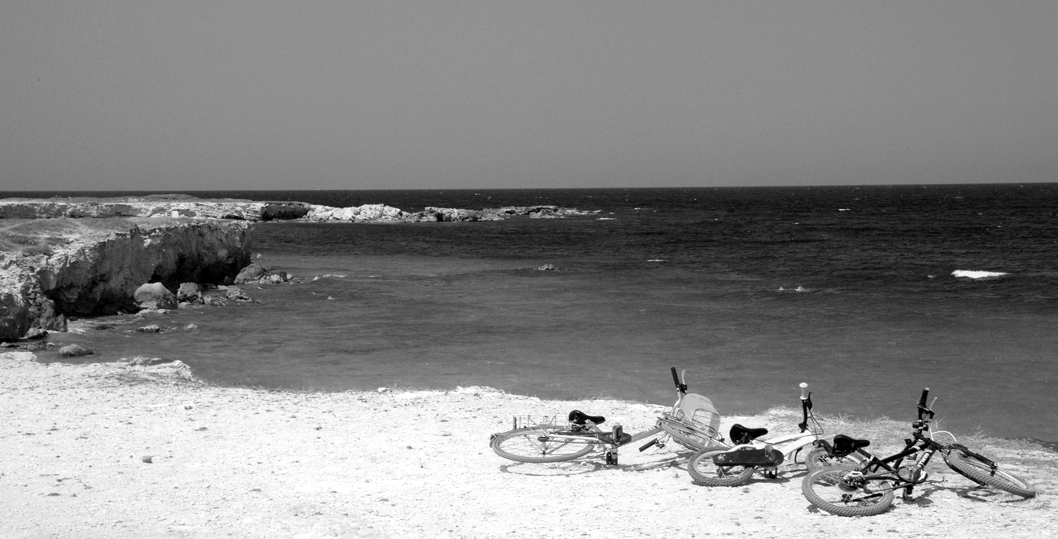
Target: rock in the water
(254,274)
(35,333)
(75,350)
(36,346)
(236,293)
(154,296)
(189,293)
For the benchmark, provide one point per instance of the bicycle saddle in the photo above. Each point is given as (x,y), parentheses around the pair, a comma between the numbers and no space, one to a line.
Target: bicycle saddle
(578,417)
(844,445)
(744,435)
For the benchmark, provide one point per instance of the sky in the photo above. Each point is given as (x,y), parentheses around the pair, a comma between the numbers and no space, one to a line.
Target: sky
(261,94)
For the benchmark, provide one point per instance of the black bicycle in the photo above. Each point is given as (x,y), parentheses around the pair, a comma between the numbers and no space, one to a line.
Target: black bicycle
(866,488)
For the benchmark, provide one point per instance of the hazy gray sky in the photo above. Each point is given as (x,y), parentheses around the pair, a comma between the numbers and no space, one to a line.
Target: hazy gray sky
(256,94)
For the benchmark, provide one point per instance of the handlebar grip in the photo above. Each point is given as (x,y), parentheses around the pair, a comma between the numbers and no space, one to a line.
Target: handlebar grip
(675,377)
(925,395)
(804,391)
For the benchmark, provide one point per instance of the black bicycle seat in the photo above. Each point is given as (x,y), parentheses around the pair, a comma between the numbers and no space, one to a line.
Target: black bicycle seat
(578,417)
(744,435)
(847,444)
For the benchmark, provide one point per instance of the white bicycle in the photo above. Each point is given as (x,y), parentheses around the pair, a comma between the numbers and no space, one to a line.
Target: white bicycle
(692,422)
(735,466)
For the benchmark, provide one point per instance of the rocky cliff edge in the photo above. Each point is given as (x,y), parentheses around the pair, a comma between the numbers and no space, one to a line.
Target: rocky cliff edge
(54,268)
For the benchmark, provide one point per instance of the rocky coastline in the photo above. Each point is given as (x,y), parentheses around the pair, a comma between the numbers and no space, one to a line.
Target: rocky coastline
(177,206)
(62,257)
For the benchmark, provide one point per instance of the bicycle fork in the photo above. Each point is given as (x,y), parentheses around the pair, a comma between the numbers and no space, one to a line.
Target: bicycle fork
(915,473)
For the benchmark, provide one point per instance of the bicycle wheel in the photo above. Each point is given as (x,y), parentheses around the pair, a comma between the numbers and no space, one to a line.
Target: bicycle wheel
(842,490)
(980,472)
(526,445)
(818,458)
(705,472)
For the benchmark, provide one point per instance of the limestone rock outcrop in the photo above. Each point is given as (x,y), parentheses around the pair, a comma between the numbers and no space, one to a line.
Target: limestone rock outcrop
(187,207)
(98,270)
(380,213)
(154,206)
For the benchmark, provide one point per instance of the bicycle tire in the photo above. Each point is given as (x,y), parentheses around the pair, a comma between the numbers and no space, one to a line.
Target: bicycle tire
(705,472)
(819,458)
(980,472)
(524,445)
(826,489)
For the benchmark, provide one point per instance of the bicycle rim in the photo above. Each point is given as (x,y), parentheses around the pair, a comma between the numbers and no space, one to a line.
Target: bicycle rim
(525,445)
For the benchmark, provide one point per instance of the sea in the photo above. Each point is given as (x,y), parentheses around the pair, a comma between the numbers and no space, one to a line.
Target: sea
(868,294)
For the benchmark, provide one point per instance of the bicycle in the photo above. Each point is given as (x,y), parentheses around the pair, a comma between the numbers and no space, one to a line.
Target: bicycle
(735,466)
(867,489)
(692,422)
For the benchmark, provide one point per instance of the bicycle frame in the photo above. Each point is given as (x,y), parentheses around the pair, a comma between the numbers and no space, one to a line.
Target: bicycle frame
(892,468)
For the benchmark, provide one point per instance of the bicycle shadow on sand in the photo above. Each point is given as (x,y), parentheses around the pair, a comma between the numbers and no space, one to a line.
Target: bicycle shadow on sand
(581,467)
(981,493)
(783,477)
(973,493)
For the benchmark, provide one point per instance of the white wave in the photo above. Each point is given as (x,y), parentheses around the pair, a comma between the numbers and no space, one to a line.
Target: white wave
(970,274)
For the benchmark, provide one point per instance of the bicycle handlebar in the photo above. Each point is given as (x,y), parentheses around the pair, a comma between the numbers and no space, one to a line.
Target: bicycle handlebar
(681,387)
(806,405)
(924,410)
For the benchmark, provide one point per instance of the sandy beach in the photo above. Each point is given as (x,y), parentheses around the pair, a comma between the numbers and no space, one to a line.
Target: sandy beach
(110,450)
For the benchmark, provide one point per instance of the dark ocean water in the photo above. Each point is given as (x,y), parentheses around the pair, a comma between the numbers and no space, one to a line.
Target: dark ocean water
(752,290)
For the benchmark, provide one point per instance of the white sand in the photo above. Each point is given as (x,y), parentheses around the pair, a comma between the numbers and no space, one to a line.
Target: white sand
(248,463)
